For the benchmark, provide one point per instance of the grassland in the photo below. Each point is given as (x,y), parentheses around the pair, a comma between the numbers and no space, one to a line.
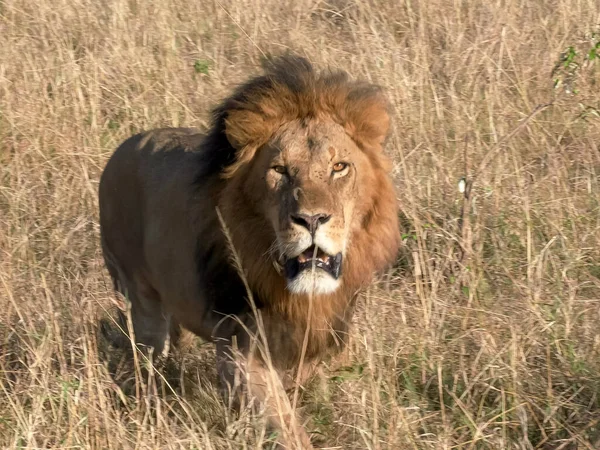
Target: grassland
(487,333)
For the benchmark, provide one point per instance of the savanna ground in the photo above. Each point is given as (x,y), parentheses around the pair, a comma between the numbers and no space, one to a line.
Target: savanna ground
(487,333)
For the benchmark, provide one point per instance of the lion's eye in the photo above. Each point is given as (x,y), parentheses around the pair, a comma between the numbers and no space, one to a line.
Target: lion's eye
(338,167)
(280,169)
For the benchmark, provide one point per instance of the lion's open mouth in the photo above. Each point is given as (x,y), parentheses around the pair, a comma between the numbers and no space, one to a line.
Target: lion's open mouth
(332,264)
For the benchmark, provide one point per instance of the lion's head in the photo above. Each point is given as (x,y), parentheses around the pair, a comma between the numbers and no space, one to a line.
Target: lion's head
(309,174)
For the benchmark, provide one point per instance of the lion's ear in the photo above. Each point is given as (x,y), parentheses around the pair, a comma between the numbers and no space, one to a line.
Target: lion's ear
(367,116)
(246,131)
(244,128)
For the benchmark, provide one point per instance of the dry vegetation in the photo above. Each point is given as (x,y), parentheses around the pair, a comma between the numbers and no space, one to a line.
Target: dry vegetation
(485,336)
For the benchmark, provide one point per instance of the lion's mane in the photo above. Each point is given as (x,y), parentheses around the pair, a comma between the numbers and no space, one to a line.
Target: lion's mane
(292,90)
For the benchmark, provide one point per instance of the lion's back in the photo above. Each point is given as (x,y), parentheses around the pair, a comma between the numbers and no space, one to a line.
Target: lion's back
(146,194)
(142,170)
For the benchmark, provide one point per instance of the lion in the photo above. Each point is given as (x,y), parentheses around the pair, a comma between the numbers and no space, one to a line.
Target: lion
(270,222)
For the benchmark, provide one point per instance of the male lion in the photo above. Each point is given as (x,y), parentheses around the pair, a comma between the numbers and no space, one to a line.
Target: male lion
(293,168)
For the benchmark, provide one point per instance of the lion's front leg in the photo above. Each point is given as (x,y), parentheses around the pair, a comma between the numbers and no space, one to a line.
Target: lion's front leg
(247,376)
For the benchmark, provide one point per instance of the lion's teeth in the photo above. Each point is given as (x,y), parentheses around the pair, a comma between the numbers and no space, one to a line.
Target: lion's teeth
(309,255)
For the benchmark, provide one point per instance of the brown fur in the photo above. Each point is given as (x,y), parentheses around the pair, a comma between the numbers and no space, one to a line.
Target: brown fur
(162,239)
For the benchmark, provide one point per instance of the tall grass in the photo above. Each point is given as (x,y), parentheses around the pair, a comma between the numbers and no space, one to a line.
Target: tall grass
(485,336)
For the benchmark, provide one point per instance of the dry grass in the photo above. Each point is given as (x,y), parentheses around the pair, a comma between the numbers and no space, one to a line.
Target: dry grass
(493,347)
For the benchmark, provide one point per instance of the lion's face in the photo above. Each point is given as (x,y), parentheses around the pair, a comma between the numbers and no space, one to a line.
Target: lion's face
(310,173)
(308,181)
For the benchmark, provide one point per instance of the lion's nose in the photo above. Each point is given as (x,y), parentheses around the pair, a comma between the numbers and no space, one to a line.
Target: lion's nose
(310,222)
